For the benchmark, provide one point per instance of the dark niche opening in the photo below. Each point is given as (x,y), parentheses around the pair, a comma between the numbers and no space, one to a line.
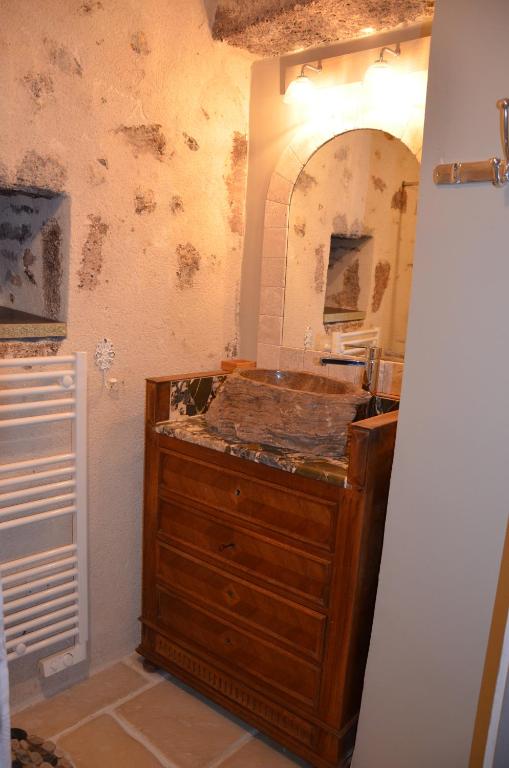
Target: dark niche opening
(343,294)
(34,264)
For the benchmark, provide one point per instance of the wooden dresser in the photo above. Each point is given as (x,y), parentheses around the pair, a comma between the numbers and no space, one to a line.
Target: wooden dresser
(259,585)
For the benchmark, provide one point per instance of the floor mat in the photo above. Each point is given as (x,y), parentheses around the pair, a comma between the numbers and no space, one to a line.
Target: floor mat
(29,750)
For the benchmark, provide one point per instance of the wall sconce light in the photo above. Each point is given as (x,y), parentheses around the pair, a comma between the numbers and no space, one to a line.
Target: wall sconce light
(302,89)
(379,78)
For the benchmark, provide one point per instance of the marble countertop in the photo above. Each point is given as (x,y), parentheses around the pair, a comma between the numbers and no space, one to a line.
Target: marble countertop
(193,429)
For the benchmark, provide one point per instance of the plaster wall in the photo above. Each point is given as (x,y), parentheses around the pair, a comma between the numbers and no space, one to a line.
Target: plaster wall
(449,498)
(134,113)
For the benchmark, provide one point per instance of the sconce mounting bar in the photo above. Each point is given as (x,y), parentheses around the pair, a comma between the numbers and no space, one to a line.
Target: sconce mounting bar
(493,170)
(312,67)
(396,51)
(364,43)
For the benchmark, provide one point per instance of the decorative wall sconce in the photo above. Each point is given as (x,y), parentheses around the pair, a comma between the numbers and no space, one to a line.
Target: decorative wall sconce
(380,77)
(302,89)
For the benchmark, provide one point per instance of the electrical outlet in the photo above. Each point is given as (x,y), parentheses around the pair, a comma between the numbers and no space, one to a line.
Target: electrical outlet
(62,660)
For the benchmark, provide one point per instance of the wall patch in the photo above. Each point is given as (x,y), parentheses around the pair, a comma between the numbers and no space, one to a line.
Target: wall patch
(188,264)
(236,182)
(52,271)
(145,139)
(91,254)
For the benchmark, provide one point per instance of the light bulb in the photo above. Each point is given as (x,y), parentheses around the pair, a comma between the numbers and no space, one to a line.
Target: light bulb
(380,82)
(300,91)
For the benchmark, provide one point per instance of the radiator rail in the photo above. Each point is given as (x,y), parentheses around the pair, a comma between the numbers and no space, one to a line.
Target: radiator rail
(45,597)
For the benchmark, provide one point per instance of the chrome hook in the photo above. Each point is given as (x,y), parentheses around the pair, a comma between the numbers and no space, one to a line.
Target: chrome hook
(493,170)
(503,105)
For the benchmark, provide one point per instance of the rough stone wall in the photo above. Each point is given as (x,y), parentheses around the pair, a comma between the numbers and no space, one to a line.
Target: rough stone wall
(275,27)
(140,118)
(233,16)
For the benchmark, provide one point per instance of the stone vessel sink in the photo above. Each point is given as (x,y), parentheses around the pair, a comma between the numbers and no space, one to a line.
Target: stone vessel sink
(288,409)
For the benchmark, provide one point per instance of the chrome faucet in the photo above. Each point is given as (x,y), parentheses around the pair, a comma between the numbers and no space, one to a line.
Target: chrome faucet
(371,365)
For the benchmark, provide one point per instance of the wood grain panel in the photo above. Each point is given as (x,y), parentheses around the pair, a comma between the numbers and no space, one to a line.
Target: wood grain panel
(250,655)
(296,626)
(299,515)
(250,553)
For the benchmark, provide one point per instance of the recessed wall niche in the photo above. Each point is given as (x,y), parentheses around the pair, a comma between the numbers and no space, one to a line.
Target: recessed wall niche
(343,294)
(34,263)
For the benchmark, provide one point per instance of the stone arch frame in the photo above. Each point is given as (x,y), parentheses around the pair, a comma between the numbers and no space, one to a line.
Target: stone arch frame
(270,350)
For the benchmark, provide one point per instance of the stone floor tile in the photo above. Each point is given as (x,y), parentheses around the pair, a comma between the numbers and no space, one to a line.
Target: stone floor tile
(102,743)
(181,725)
(60,712)
(262,753)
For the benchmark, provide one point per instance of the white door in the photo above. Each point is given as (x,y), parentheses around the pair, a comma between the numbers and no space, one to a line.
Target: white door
(449,497)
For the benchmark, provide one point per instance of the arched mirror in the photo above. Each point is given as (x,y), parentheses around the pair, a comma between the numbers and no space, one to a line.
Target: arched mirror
(350,243)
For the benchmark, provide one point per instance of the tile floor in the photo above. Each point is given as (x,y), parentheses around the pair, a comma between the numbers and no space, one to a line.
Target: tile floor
(126,717)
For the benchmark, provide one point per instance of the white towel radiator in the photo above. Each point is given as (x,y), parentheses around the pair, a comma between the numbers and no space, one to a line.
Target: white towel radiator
(45,592)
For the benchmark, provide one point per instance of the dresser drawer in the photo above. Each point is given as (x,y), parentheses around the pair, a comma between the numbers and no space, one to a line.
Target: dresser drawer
(298,627)
(238,695)
(250,553)
(241,651)
(280,508)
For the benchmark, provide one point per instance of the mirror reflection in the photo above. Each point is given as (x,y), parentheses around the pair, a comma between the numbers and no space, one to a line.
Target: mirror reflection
(350,245)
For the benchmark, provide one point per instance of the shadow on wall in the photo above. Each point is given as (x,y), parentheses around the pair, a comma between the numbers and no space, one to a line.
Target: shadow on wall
(210,9)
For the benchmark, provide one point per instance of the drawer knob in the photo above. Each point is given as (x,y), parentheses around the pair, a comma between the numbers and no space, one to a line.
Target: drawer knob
(237,491)
(223,547)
